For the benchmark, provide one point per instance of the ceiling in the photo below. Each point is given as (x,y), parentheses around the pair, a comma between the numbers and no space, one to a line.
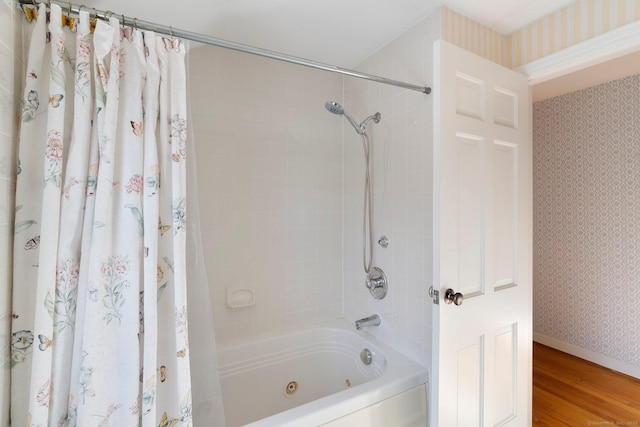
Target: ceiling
(336,32)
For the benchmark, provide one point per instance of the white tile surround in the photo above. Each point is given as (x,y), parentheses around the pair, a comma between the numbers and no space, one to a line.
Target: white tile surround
(11,72)
(11,66)
(402,170)
(281,194)
(270,184)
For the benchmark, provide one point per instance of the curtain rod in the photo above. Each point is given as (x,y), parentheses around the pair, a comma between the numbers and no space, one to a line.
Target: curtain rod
(201,38)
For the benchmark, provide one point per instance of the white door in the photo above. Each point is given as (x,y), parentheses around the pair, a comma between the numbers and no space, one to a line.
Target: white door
(482,242)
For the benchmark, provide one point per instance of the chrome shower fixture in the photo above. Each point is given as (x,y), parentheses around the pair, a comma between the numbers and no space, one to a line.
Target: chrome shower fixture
(376,280)
(335,108)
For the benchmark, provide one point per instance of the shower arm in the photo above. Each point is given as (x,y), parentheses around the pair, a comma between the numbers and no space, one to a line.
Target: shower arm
(375,117)
(358,127)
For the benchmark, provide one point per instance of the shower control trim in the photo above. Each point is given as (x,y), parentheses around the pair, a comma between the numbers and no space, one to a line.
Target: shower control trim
(377,283)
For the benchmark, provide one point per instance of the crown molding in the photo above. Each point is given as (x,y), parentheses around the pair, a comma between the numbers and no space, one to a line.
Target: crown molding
(606,46)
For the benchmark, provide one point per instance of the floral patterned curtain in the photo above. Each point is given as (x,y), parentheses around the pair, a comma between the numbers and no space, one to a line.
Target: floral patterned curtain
(99,330)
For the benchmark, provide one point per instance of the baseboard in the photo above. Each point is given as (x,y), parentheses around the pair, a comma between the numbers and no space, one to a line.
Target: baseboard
(591,356)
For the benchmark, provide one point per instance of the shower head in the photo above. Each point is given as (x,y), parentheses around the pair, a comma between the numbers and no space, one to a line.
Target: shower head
(335,108)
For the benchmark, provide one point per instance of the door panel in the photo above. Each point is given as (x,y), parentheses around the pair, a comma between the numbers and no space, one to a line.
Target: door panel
(505,368)
(505,107)
(470,382)
(469,211)
(482,242)
(505,205)
(470,96)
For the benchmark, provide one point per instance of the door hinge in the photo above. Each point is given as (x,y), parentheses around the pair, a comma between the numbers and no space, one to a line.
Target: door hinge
(435,295)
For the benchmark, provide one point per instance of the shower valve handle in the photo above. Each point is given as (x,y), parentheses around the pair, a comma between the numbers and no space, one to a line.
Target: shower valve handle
(375,283)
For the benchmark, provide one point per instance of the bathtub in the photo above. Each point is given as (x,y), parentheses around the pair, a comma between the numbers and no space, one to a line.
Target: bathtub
(316,377)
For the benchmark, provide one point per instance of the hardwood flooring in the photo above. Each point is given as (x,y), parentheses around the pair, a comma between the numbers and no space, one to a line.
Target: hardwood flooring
(569,391)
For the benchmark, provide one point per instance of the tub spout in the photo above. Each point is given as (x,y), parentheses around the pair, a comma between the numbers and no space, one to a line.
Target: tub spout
(368,321)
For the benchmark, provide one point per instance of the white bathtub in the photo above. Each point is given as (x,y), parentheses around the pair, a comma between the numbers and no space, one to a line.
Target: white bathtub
(316,377)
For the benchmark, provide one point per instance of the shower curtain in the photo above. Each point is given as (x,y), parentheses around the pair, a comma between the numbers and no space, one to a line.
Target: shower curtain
(99,317)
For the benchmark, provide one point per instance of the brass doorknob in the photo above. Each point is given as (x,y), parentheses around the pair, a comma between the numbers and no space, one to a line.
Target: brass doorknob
(454,297)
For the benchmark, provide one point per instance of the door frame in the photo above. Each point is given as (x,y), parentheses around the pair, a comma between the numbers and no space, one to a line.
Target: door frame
(599,49)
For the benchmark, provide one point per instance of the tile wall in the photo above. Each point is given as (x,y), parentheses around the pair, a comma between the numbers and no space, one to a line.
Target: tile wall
(11,72)
(270,186)
(402,181)
(281,190)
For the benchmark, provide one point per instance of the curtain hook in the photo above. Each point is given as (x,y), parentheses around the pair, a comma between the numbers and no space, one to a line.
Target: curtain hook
(80,10)
(95,13)
(171,31)
(135,25)
(69,12)
(122,20)
(107,15)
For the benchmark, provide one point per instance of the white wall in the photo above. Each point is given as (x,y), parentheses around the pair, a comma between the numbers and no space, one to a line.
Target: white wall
(270,183)
(402,154)
(11,72)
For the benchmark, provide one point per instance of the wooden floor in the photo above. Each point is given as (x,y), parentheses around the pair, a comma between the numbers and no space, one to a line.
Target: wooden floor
(568,391)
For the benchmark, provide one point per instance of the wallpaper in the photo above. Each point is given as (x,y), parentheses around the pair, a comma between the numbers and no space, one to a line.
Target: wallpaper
(474,37)
(570,25)
(587,219)
(566,27)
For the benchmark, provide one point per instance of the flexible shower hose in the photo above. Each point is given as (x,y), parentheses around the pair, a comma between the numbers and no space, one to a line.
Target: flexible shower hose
(367,212)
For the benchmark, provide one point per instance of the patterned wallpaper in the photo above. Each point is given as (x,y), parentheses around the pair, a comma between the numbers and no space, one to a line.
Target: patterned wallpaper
(587,219)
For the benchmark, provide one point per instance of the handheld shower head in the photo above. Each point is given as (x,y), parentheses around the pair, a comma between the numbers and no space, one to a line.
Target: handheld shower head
(335,108)
(367,213)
